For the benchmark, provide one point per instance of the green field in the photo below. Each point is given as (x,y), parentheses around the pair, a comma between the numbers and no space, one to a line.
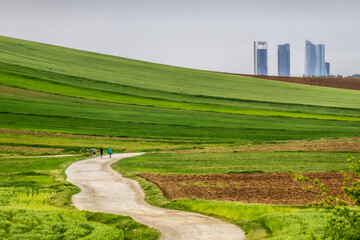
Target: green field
(261,221)
(55,100)
(86,93)
(35,204)
(235,162)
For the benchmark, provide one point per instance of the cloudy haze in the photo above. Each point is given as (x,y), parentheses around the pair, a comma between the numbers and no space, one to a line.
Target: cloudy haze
(213,35)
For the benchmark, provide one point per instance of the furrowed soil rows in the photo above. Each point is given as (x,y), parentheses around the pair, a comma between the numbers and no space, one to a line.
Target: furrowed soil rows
(265,188)
(324,145)
(334,82)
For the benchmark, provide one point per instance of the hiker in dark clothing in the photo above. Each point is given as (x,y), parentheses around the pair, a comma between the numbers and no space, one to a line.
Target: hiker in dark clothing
(101,152)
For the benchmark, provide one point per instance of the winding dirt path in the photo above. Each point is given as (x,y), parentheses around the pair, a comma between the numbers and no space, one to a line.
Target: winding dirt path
(105,190)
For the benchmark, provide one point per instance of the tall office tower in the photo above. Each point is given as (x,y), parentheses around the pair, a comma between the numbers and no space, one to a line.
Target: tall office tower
(327,66)
(315,60)
(320,70)
(310,58)
(260,58)
(284,60)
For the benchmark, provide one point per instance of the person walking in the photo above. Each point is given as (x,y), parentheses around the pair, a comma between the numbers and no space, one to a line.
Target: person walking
(94,152)
(110,152)
(101,152)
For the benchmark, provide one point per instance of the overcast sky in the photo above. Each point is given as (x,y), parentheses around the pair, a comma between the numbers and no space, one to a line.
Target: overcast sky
(213,35)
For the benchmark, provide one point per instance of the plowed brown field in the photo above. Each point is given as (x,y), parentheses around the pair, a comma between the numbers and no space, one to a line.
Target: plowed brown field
(345,83)
(323,145)
(266,188)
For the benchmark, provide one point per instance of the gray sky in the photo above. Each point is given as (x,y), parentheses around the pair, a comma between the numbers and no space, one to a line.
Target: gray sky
(213,35)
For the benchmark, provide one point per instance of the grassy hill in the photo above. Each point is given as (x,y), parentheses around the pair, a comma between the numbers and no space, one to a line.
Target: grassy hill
(50,88)
(55,100)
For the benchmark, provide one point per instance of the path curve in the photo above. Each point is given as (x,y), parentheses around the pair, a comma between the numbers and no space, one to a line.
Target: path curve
(105,190)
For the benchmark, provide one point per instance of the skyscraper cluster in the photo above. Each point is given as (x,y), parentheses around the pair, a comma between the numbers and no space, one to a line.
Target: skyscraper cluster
(315,64)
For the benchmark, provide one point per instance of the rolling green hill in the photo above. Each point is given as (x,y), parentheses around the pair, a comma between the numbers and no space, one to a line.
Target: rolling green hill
(51,88)
(46,90)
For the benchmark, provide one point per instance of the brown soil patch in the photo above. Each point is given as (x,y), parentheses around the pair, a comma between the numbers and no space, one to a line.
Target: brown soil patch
(56,134)
(341,144)
(29,150)
(345,83)
(322,145)
(265,188)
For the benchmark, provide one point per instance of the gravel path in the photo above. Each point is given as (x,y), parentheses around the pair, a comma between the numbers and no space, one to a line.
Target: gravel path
(105,190)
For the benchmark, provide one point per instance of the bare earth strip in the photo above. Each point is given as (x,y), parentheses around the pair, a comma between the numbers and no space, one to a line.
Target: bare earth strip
(263,188)
(320,145)
(105,190)
(334,82)
(44,156)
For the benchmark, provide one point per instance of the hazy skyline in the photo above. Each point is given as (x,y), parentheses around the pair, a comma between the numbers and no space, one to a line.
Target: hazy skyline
(210,35)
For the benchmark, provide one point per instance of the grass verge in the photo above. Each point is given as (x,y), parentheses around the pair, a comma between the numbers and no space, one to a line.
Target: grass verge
(35,203)
(235,162)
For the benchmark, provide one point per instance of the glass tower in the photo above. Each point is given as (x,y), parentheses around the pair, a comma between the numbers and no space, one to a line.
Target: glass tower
(315,60)
(310,59)
(327,66)
(260,58)
(284,60)
(320,70)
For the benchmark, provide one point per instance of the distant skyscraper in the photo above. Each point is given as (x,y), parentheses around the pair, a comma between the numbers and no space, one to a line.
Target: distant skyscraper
(315,59)
(260,58)
(320,70)
(284,60)
(327,66)
(310,58)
